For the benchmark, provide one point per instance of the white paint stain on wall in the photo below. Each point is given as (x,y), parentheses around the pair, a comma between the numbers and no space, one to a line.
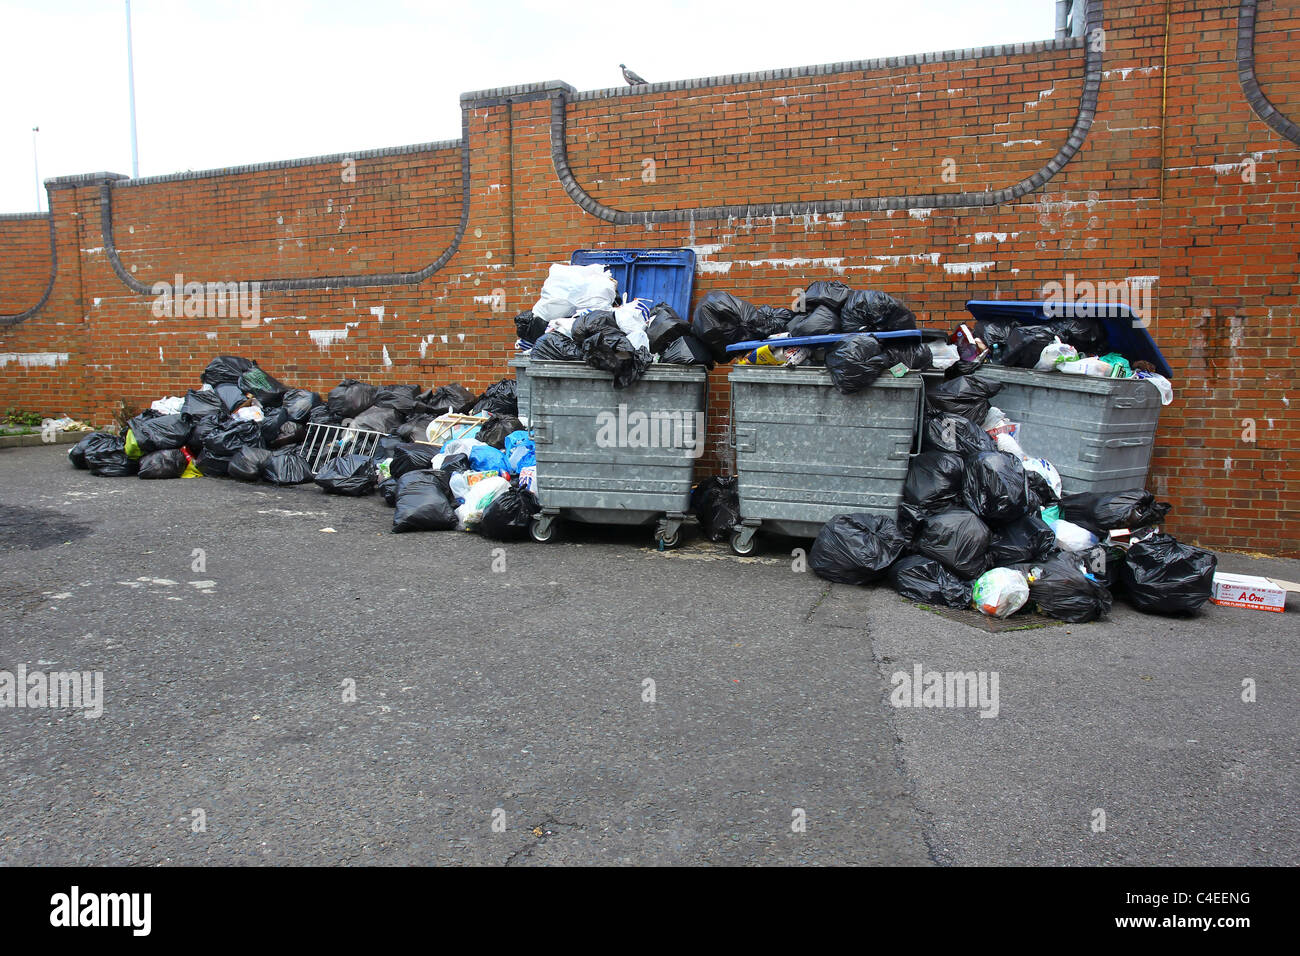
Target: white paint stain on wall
(324,338)
(385,358)
(920,213)
(377,311)
(34,359)
(967,268)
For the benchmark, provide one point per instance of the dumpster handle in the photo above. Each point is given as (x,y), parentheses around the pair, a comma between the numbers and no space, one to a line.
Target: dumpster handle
(919,430)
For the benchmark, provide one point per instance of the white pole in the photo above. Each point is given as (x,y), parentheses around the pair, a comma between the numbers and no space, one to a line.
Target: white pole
(130,75)
(36,165)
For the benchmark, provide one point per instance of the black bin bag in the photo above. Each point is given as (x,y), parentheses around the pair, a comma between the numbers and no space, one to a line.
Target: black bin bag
(934,480)
(688,350)
(501,398)
(721,319)
(226,370)
(822,320)
(957,539)
(410,456)
(202,402)
(855,548)
(509,514)
(770,320)
(226,439)
(165,463)
(106,457)
(530,327)
(831,293)
(715,501)
(352,475)
(966,395)
(77,453)
(855,363)
(1102,511)
(286,467)
(1025,345)
(423,502)
(248,463)
(994,487)
(1163,576)
(874,311)
(267,390)
(953,433)
(298,404)
(349,398)
(926,581)
(157,434)
(665,327)
(1025,539)
(555,347)
(1062,589)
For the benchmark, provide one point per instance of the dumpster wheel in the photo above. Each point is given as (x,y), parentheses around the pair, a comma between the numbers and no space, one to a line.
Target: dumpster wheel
(668,534)
(543,528)
(742,541)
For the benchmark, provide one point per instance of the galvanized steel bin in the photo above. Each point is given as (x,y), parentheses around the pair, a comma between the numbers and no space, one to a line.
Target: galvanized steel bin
(1098,432)
(523,389)
(805,452)
(608,456)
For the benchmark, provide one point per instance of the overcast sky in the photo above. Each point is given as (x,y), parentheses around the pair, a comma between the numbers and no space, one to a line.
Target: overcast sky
(246,81)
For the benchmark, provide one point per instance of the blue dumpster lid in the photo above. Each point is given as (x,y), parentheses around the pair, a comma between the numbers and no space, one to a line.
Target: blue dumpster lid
(660,275)
(1124,330)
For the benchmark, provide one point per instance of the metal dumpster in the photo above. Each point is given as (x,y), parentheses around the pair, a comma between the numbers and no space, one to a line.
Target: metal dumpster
(609,456)
(1100,433)
(805,452)
(523,389)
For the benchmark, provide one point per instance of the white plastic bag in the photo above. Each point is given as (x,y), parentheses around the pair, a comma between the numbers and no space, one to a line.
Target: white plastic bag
(1071,537)
(1162,385)
(631,318)
(1000,592)
(1045,468)
(173,405)
(943,354)
(1087,366)
(1054,354)
(569,289)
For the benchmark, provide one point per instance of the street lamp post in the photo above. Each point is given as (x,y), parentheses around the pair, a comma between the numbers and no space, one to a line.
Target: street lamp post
(36,166)
(130,78)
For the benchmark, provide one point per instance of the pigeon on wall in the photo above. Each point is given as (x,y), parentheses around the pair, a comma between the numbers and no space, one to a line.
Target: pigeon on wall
(633,79)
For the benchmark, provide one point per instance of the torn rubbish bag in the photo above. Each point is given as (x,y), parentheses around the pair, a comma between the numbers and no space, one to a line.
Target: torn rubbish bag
(612,351)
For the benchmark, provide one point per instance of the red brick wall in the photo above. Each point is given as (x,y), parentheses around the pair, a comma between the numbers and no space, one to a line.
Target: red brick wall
(1156,189)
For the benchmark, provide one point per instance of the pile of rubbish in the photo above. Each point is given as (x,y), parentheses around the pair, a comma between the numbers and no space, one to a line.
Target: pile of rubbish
(1073,345)
(243,423)
(581,318)
(983,524)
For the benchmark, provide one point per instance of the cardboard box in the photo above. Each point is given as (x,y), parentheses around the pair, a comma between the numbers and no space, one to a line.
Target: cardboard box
(1245,590)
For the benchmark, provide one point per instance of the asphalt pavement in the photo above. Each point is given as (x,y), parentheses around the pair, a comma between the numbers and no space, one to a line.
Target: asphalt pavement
(285,681)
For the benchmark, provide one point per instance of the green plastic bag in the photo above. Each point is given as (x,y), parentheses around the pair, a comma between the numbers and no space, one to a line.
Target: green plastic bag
(132,449)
